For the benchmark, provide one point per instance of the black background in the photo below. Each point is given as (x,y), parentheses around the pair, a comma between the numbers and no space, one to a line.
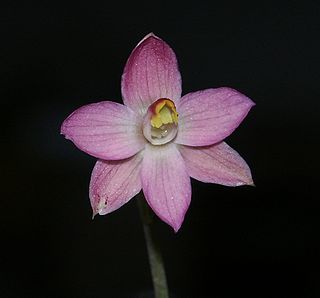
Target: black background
(250,242)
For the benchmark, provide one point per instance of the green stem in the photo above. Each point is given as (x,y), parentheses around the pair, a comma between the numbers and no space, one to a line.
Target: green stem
(155,259)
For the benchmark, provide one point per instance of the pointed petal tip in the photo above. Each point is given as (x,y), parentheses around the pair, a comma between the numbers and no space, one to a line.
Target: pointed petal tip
(176,229)
(175,225)
(62,128)
(249,181)
(151,34)
(94,213)
(245,182)
(178,223)
(154,36)
(252,104)
(63,132)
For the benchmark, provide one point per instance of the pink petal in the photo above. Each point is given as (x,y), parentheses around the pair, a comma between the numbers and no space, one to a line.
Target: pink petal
(207,117)
(114,183)
(166,183)
(151,73)
(106,130)
(216,164)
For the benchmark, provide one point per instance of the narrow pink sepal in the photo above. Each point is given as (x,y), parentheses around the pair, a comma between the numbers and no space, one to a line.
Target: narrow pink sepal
(151,72)
(106,130)
(207,117)
(114,183)
(166,183)
(218,164)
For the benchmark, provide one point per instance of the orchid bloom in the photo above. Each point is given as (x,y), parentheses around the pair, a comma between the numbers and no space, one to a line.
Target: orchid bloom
(157,140)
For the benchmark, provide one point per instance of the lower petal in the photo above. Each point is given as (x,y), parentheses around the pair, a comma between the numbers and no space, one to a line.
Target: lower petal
(114,183)
(218,164)
(166,183)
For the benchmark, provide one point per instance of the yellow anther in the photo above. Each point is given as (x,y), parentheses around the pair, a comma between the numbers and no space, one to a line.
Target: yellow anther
(164,112)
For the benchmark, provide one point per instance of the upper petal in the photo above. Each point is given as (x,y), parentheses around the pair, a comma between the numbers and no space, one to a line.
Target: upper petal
(218,163)
(166,183)
(113,183)
(106,130)
(207,117)
(151,73)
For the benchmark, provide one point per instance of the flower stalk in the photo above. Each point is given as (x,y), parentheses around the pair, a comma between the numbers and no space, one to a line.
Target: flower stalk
(158,273)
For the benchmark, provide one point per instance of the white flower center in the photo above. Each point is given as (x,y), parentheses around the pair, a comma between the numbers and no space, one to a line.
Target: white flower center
(160,125)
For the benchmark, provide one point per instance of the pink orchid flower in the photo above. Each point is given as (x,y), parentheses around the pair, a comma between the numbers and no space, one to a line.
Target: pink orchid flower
(157,140)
